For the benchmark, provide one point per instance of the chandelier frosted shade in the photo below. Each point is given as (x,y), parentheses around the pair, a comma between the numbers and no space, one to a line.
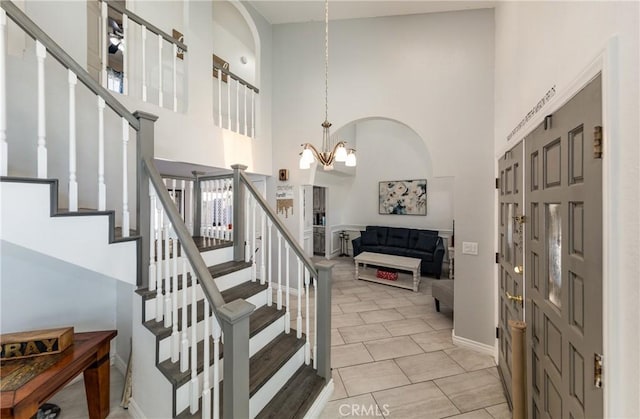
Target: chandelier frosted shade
(351,159)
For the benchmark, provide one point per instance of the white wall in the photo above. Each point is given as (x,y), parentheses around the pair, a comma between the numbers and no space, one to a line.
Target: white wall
(433,73)
(541,44)
(233,39)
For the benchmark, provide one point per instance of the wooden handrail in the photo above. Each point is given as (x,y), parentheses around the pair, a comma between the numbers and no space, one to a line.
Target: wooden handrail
(150,26)
(235,77)
(27,25)
(279,225)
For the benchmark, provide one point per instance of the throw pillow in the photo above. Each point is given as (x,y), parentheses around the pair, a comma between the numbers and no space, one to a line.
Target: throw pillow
(426,242)
(369,238)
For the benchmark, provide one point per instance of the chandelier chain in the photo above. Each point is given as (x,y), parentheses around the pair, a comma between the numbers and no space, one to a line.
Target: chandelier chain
(326,60)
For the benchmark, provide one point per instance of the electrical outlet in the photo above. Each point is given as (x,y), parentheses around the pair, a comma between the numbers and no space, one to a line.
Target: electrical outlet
(469,248)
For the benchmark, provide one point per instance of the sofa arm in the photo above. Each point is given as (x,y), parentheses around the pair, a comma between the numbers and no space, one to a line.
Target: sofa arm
(438,256)
(357,248)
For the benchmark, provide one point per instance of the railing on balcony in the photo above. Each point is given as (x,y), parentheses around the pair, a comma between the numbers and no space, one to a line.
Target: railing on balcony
(235,101)
(161,76)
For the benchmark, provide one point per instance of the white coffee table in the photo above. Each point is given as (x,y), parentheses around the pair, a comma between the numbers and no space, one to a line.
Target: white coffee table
(407,281)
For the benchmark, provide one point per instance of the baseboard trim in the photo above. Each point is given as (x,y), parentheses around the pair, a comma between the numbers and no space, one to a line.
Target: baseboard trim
(119,363)
(134,410)
(321,401)
(472,344)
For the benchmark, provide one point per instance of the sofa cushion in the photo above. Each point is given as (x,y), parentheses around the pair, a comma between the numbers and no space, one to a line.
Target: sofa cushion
(369,238)
(398,237)
(390,250)
(381,232)
(426,242)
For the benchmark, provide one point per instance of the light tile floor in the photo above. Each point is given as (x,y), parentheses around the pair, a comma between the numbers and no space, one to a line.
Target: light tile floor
(392,357)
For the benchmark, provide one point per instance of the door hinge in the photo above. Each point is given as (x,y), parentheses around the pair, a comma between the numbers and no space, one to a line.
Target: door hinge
(497,257)
(497,333)
(497,183)
(598,363)
(597,142)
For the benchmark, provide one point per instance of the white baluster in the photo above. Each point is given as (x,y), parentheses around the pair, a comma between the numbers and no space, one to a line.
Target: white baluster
(210,208)
(254,233)
(193,385)
(160,94)
(253,114)
(41,53)
(229,210)
(4,148)
(102,188)
(307,345)
(217,332)
(143,28)
(183,201)
(73,182)
(154,237)
(220,98)
(287,314)
(245,89)
(217,218)
(315,323)
(174,184)
(104,43)
(125,54)
(299,316)
(263,250)
(160,263)
(247,229)
(229,103)
(184,340)
(175,78)
(125,179)
(190,212)
(206,391)
(238,106)
(175,337)
(167,272)
(279,299)
(269,248)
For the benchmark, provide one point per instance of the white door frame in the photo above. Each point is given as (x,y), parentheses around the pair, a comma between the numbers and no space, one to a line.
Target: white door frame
(606,63)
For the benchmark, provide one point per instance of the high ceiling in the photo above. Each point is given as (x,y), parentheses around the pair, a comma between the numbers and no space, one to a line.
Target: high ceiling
(290,11)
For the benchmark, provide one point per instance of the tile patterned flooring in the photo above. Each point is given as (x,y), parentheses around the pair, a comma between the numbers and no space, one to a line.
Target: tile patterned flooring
(392,357)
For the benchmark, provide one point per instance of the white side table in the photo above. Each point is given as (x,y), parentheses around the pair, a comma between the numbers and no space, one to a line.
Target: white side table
(452,256)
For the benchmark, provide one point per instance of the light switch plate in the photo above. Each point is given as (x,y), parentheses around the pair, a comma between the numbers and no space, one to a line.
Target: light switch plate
(470,248)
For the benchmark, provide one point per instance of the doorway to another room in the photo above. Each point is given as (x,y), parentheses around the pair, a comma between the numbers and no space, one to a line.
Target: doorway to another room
(319,220)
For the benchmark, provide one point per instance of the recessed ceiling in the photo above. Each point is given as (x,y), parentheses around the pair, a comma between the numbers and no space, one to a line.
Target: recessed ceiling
(291,11)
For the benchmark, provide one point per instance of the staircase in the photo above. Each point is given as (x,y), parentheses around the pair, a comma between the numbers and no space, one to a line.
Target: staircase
(230,318)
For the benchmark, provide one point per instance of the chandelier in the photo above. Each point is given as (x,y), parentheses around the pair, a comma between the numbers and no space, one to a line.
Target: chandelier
(327,155)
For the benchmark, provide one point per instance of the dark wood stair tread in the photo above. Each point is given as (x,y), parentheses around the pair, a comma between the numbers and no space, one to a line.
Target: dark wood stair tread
(266,362)
(259,320)
(296,397)
(227,268)
(244,291)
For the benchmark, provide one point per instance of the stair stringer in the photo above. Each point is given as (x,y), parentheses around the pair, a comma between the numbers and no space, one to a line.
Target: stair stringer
(150,387)
(27,208)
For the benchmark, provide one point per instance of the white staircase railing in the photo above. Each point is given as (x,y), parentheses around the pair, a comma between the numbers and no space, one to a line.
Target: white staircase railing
(235,103)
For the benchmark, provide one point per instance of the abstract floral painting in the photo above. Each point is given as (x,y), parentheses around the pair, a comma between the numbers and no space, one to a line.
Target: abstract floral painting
(403,197)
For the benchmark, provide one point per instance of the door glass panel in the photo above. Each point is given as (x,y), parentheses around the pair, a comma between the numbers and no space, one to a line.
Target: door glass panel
(509,246)
(554,253)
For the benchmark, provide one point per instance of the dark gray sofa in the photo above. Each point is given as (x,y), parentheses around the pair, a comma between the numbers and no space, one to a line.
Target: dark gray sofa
(423,244)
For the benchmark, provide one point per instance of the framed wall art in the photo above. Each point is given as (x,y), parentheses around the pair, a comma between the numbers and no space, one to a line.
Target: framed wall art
(403,197)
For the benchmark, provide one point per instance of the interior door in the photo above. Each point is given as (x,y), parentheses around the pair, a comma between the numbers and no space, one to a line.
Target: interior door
(564,259)
(510,289)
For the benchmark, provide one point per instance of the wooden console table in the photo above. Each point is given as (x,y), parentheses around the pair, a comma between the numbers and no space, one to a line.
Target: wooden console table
(402,263)
(25,384)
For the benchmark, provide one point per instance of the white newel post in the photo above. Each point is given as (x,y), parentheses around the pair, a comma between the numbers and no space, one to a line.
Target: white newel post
(125,54)
(102,188)
(104,46)
(125,180)
(143,28)
(160,94)
(4,149)
(41,53)
(73,182)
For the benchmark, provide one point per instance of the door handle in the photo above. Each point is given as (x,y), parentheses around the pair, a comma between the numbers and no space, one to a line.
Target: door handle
(517,298)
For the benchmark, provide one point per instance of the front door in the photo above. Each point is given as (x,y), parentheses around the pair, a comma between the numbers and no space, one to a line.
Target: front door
(510,288)
(563,197)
